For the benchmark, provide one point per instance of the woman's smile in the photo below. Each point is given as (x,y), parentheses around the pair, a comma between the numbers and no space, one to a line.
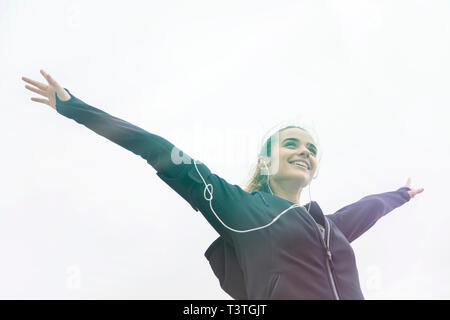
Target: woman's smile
(299,166)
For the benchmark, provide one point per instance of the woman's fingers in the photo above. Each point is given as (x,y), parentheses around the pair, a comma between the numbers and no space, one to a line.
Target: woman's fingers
(38,84)
(408,183)
(46,101)
(419,190)
(47,91)
(62,94)
(39,91)
(413,193)
(49,79)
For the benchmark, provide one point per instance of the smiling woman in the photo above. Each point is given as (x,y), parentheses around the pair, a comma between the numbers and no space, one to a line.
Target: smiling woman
(304,254)
(288,142)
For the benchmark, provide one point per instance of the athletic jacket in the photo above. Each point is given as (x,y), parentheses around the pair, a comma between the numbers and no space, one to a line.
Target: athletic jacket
(287,260)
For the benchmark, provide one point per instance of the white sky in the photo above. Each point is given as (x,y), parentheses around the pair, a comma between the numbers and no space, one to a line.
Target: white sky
(83,218)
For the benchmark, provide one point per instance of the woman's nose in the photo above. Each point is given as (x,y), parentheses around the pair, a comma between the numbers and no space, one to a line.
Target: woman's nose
(305,151)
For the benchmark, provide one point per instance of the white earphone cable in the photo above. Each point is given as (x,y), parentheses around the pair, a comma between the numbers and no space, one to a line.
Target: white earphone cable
(235,230)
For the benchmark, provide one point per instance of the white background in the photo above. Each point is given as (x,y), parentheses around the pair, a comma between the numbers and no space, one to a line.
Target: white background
(83,218)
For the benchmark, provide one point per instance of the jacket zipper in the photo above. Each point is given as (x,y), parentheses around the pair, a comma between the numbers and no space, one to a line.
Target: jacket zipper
(329,257)
(327,247)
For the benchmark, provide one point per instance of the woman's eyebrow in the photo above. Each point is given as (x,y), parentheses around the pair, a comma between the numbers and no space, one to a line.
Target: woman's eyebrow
(297,140)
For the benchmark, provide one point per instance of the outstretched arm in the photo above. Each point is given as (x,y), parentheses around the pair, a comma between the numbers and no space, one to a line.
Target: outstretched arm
(173,166)
(153,148)
(356,218)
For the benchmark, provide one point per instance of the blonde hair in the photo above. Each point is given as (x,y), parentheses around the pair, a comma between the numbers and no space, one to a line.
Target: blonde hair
(258,181)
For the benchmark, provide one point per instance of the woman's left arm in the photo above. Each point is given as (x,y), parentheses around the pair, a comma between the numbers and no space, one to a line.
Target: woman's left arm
(356,218)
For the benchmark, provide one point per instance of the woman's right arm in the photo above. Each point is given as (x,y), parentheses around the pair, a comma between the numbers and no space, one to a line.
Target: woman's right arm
(151,147)
(173,166)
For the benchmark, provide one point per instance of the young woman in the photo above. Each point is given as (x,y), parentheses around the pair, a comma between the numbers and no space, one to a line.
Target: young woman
(269,247)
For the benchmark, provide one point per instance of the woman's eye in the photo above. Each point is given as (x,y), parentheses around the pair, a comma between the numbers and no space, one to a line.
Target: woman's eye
(290,145)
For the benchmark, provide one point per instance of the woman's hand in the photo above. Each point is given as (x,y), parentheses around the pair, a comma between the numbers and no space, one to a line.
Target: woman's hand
(47,91)
(412,192)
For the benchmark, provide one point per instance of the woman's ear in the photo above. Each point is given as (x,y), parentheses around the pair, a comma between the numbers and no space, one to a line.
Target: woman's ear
(264,162)
(317,172)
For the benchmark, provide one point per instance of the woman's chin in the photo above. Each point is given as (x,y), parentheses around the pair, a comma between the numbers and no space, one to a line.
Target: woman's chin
(299,178)
(300,172)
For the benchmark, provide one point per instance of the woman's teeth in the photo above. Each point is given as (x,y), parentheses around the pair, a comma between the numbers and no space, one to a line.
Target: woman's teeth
(300,164)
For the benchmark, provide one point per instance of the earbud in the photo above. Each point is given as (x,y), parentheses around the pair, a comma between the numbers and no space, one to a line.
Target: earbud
(268,185)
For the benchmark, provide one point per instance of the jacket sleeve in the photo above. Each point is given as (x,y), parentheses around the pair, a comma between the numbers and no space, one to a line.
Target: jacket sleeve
(355,219)
(173,166)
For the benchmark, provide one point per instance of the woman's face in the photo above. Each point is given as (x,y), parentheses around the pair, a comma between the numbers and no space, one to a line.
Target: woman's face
(293,144)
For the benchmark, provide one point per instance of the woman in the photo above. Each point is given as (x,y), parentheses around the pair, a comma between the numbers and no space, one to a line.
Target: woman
(269,247)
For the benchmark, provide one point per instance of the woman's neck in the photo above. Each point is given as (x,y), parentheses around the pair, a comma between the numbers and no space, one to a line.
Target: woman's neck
(286,190)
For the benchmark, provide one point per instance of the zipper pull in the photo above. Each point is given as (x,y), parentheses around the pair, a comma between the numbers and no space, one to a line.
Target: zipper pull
(329,254)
